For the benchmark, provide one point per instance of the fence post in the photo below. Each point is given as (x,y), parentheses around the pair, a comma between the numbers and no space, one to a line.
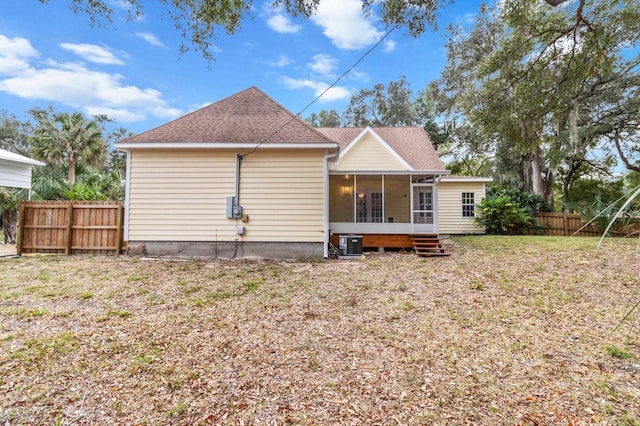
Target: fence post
(119,230)
(20,236)
(565,225)
(69,230)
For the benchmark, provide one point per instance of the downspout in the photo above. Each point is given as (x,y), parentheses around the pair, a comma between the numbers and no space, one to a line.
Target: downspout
(327,156)
(127,195)
(238,165)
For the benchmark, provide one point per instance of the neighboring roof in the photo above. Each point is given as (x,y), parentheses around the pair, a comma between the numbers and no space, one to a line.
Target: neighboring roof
(17,158)
(412,144)
(249,116)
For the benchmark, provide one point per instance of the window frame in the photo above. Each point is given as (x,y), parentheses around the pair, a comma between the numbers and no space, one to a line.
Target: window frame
(468,204)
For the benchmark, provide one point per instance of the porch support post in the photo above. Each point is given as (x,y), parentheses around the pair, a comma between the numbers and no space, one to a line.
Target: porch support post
(384,211)
(355,198)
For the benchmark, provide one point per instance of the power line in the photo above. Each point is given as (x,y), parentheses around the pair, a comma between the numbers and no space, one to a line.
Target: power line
(317,98)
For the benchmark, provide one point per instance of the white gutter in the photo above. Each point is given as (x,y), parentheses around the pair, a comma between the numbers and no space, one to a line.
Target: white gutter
(123,146)
(327,156)
(391,172)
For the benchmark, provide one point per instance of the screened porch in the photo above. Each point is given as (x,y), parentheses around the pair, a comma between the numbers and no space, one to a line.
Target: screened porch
(382,203)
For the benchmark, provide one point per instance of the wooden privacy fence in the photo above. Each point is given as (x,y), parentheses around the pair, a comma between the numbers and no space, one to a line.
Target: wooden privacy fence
(568,224)
(70,227)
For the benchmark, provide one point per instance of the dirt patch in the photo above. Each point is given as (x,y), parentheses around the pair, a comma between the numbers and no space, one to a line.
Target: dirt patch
(505,331)
(7,249)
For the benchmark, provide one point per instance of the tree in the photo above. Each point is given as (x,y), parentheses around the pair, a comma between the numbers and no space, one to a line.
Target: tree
(9,202)
(13,134)
(199,21)
(68,140)
(324,118)
(390,106)
(550,82)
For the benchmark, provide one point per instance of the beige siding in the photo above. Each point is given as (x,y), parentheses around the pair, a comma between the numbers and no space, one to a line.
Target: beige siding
(180,195)
(450,220)
(369,154)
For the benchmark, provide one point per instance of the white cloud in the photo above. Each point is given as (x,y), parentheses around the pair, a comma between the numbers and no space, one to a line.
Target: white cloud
(15,54)
(281,62)
(277,20)
(345,25)
(282,24)
(362,77)
(333,94)
(150,38)
(75,85)
(323,64)
(92,53)
(389,46)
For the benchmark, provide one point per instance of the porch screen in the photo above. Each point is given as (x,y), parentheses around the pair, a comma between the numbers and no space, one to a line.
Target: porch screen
(422,204)
(369,207)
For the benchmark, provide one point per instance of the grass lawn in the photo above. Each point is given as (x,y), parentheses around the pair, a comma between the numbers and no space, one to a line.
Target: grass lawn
(507,330)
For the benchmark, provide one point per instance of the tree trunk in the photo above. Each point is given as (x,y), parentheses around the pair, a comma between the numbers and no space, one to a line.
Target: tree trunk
(537,184)
(541,185)
(10,225)
(72,172)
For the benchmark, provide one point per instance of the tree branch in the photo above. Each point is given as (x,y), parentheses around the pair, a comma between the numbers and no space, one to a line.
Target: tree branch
(623,157)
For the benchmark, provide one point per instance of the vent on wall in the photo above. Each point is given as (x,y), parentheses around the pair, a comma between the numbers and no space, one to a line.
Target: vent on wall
(350,245)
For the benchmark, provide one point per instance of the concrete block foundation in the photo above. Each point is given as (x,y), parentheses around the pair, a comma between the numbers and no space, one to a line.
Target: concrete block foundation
(226,249)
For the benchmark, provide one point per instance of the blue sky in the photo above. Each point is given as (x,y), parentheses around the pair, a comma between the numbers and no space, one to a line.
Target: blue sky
(133,71)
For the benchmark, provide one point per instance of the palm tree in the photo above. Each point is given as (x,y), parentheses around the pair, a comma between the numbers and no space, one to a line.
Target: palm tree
(68,139)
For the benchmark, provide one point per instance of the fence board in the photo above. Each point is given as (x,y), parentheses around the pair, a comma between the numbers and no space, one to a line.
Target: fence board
(71,227)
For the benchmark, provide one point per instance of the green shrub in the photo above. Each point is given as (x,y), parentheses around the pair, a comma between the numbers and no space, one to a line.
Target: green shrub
(507,211)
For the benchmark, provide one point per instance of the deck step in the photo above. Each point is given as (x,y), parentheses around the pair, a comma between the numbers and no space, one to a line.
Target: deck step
(427,245)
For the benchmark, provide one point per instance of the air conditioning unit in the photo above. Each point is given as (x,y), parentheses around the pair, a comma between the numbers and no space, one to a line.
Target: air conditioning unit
(350,245)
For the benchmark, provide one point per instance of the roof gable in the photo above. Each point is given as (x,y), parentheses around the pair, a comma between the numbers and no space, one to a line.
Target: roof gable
(408,148)
(249,116)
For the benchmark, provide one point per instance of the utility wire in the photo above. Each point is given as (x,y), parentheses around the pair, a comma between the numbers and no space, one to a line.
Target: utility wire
(317,98)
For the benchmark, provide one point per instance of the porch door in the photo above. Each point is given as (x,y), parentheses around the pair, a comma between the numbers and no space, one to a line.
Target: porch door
(422,217)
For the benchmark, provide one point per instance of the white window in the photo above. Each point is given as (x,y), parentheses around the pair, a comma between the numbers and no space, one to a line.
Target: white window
(468,204)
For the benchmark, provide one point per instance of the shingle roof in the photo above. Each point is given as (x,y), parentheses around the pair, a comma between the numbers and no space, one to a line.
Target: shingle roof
(410,143)
(249,116)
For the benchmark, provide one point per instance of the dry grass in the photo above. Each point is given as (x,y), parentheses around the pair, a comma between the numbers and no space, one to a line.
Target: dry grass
(507,330)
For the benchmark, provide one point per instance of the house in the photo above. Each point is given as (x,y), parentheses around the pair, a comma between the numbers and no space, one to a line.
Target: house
(245,177)
(15,169)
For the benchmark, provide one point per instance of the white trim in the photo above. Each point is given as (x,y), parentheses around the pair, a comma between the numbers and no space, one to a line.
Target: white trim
(327,156)
(17,158)
(123,146)
(392,172)
(423,227)
(386,146)
(369,228)
(127,190)
(460,179)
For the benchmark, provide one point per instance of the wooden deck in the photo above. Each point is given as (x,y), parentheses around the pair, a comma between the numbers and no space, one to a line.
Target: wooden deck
(423,244)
